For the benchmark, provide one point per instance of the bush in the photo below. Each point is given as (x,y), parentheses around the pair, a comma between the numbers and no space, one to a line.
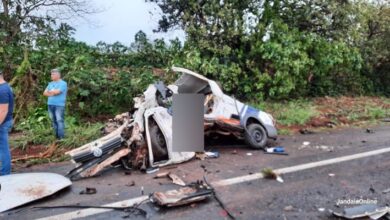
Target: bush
(37,130)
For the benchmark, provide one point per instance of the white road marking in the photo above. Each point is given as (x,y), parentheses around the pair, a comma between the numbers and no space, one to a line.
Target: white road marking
(300,167)
(91,211)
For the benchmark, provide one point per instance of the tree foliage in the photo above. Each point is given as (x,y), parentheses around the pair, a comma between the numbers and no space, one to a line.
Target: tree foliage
(256,49)
(285,49)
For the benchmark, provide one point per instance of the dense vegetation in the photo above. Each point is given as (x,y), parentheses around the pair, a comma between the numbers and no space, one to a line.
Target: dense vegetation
(257,49)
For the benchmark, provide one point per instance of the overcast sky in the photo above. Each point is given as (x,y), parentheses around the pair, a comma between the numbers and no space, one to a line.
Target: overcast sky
(120,21)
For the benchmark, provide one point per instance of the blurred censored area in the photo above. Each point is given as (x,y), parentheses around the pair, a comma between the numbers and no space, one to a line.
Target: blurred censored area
(188,127)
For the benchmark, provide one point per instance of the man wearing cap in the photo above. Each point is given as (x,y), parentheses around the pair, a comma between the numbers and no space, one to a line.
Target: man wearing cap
(56,93)
(6,109)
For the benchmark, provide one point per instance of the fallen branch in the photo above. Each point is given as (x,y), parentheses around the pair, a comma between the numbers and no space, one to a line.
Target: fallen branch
(47,154)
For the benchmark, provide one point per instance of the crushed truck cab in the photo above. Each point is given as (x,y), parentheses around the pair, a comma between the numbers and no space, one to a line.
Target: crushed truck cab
(142,138)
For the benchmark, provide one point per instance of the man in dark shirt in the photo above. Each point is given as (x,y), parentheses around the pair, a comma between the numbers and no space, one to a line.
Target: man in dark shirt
(6,109)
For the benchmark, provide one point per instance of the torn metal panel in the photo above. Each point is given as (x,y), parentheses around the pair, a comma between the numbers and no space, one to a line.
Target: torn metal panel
(19,189)
(182,196)
(224,126)
(149,101)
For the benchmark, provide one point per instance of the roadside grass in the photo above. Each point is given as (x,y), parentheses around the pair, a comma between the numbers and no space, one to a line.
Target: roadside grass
(77,134)
(351,111)
(362,109)
(376,112)
(288,113)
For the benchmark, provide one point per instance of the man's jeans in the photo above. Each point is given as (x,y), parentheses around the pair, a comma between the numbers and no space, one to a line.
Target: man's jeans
(5,154)
(56,114)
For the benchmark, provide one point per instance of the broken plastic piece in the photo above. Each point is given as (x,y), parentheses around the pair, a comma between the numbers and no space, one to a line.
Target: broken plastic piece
(275,149)
(212,154)
(176,180)
(279,179)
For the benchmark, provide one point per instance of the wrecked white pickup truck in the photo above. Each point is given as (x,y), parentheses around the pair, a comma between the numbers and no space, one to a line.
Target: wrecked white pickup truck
(142,138)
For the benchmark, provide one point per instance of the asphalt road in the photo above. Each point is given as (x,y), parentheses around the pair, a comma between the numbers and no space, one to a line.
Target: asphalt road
(306,194)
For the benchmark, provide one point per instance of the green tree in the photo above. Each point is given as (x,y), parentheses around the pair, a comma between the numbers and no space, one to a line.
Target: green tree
(22,21)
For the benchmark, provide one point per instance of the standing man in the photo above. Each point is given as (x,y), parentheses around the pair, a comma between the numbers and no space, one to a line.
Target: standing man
(6,109)
(56,91)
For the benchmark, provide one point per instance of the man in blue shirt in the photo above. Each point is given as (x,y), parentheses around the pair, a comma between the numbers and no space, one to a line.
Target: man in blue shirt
(6,109)
(56,93)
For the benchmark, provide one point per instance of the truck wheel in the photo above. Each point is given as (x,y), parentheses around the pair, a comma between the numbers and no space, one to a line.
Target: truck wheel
(160,151)
(256,136)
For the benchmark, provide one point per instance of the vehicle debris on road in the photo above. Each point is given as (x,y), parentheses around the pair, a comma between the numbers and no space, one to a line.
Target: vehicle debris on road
(193,193)
(212,154)
(208,154)
(321,209)
(131,210)
(306,144)
(288,208)
(19,189)
(275,150)
(278,149)
(142,137)
(132,183)
(386,191)
(88,191)
(372,211)
(306,131)
(176,179)
(268,173)
(162,175)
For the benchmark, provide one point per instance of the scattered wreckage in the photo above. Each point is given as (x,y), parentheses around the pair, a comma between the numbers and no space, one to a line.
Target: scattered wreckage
(371,211)
(142,138)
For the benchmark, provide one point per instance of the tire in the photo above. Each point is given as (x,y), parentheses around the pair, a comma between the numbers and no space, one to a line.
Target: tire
(160,151)
(256,136)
